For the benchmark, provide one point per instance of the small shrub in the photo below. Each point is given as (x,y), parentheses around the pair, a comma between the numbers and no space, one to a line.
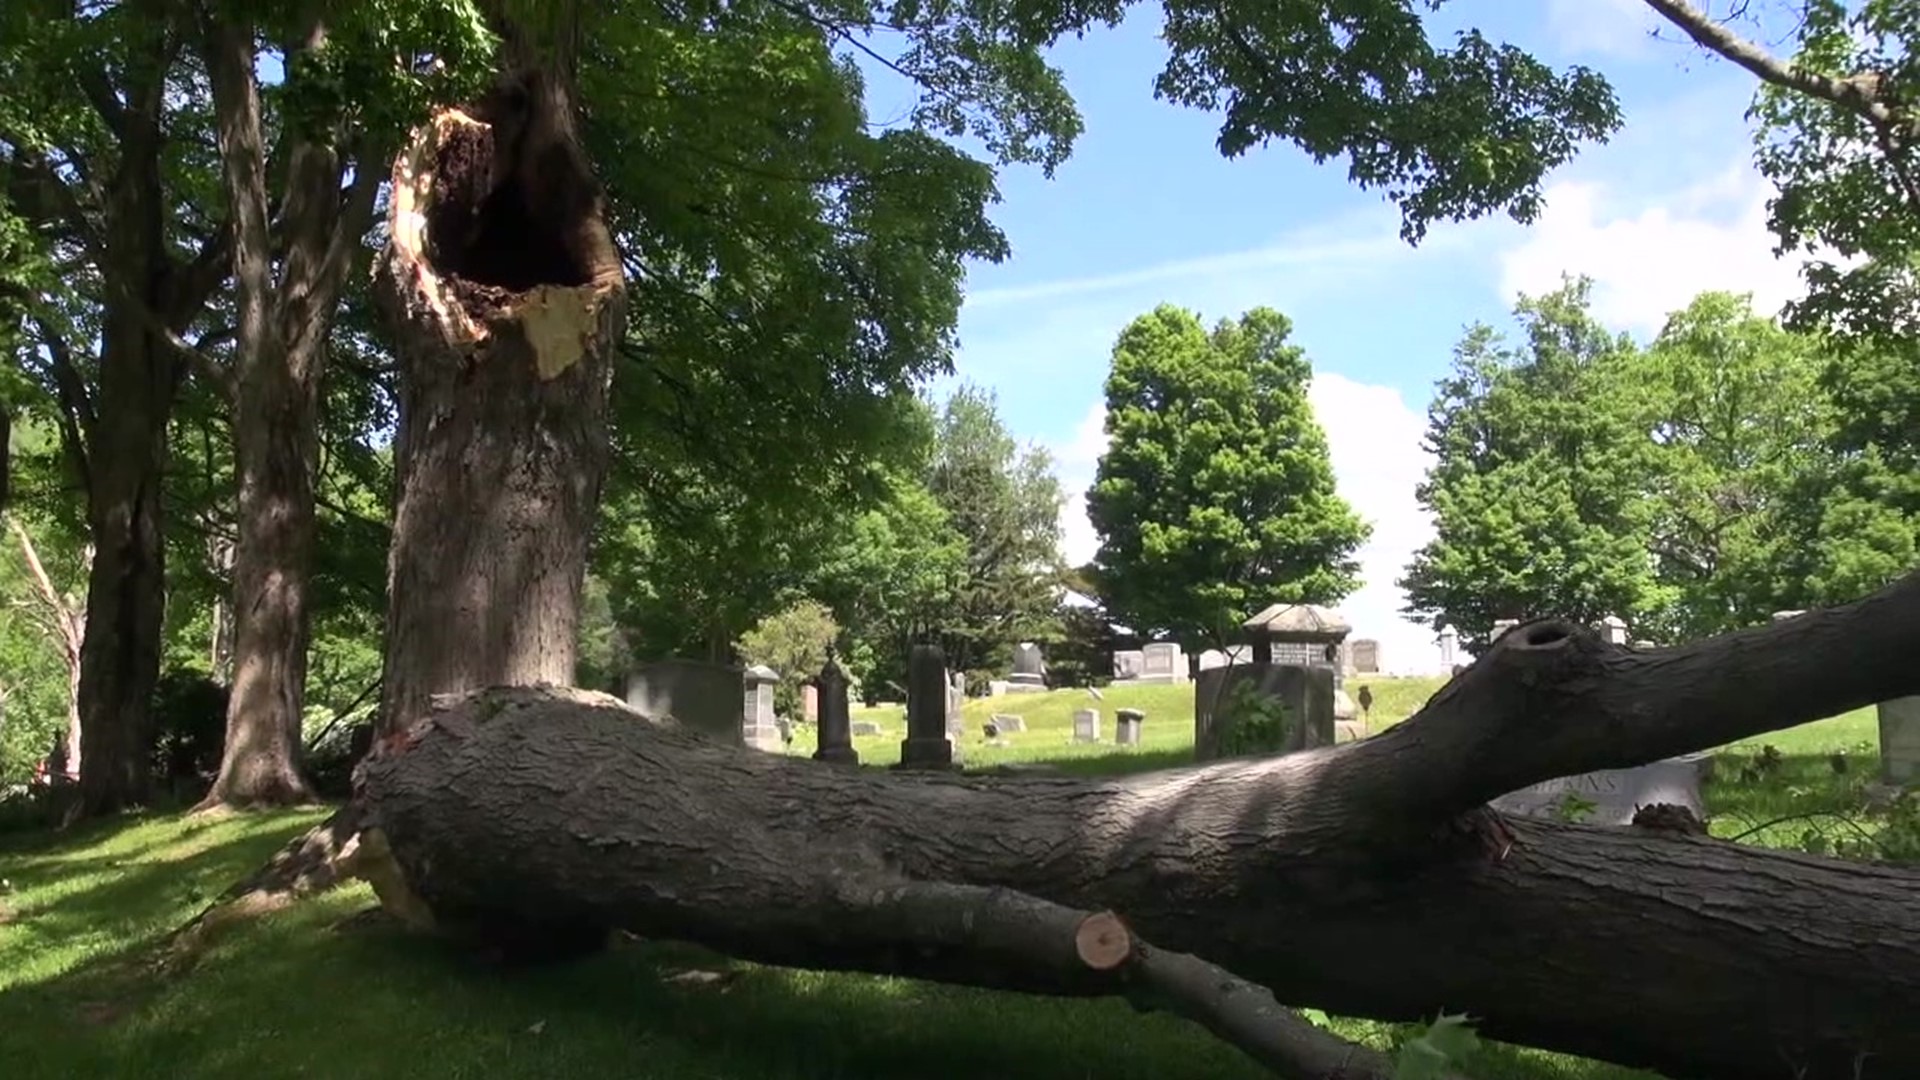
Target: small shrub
(1256,723)
(189,730)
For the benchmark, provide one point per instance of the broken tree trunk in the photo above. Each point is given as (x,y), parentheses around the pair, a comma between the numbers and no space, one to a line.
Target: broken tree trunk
(506,298)
(1366,879)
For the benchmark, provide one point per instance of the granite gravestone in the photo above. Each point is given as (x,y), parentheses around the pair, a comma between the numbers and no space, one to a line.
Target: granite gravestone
(1029,670)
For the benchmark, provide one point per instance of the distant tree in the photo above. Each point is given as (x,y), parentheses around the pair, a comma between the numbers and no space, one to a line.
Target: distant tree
(1541,477)
(794,643)
(1215,496)
(1739,422)
(1004,503)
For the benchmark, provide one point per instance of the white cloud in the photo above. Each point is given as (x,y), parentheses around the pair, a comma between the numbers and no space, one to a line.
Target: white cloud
(1292,255)
(1652,256)
(1364,241)
(1374,438)
(1075,463)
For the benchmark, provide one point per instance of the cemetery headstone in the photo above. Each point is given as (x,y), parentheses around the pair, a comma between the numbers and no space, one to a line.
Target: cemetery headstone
(1366,656)
(956,722)
(695,694)
(1303,692)
(1029,669)
(810,703)
(865,728)
(834,724)
(1449,647)
(929,696)
(1008,722)
(1126,726)
(1900,741)
(1501,626)
(1163,662)
(757,726)
(1213,658)
(1127,664)
(1086,725)
(1613,630)
(1610,796)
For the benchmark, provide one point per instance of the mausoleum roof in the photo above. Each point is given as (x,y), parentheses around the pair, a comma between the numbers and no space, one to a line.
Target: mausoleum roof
(1298,622)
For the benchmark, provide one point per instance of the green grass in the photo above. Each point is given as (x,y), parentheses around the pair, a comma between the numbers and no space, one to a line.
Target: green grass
(315,992)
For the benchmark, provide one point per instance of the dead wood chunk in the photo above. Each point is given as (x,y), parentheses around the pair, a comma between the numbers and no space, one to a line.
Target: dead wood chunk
(1667,817)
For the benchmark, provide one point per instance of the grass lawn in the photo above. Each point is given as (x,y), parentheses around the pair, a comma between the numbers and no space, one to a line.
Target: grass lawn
(313,992)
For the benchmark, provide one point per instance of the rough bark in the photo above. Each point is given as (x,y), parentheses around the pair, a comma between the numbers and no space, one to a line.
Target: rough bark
(285,308)
(1366,879)
(505,297)
(126,590)
(114,432)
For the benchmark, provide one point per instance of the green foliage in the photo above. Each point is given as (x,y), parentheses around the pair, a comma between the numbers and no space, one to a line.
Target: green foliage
(1255,723)
(602,655)
(384,66)
(1539,487)
(1733,469)
(794,643)
(1003,502)
(1740,424)
(1573,808)
(1445,133)
(1215,496)
(1446,1042)
(189,727)
(1847,197)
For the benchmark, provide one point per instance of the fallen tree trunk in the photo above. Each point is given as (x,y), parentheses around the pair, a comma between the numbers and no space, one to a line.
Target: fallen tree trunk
(524,815)
(1367,879)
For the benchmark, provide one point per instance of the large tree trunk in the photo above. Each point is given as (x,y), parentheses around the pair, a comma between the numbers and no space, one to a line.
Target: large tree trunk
(1367,878)
(116,437)
(279,346)
(506,298)
(139,375)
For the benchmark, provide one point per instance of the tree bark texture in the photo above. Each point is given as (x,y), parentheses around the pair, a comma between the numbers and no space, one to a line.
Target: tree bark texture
(139,375)
(1367,878)
(283,321)
(506,298)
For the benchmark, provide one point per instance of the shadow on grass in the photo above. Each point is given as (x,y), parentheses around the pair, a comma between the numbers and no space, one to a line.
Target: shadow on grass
(88,901)
(288,997)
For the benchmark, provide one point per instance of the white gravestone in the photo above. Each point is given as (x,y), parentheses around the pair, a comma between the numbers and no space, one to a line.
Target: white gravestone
(1449,648)
(1212,658)
(1614,794)
(1126,729)
(1127,664)
(1613,630)
(1900,741)
(1086,725)
(1163,662)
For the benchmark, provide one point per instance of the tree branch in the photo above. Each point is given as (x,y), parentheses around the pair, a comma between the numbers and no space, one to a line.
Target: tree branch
(67,625)
(1551,699)
(1001,938)
(1857,96)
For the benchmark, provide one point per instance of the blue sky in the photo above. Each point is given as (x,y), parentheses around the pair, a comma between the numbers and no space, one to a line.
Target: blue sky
(1147,211)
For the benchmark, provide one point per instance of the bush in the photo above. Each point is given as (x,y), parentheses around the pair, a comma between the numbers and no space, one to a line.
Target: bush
(189,731)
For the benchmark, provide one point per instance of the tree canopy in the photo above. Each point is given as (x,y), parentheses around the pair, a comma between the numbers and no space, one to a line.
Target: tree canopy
(1215,496)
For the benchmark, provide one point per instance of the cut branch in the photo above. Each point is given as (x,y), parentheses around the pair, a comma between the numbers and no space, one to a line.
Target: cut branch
(1000,938)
